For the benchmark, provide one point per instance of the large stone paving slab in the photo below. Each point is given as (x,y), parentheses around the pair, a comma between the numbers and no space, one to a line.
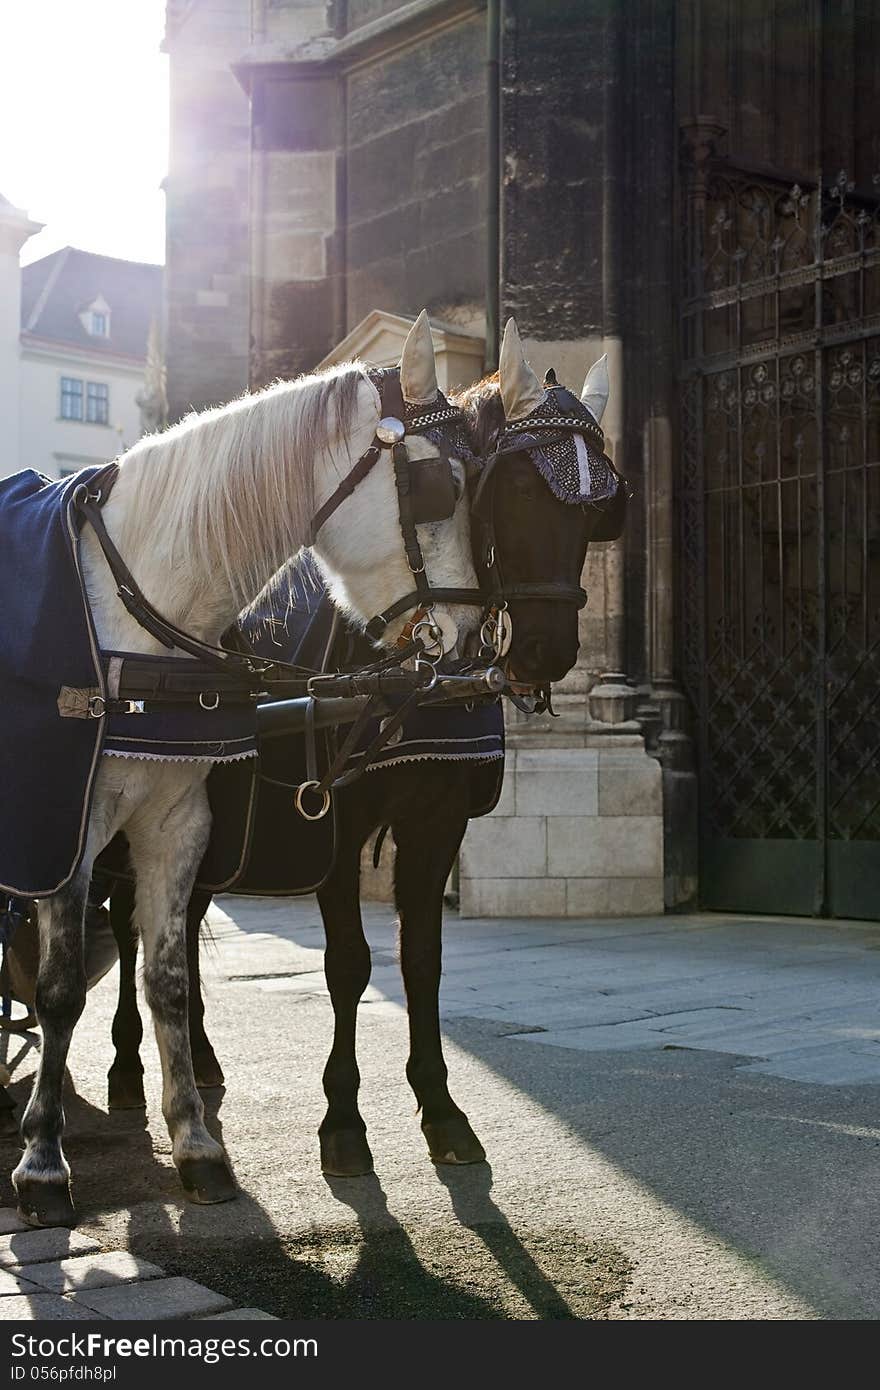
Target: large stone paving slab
(159,1298)
(42,1307)
(11,1282)
(32,1247)
(92,1272)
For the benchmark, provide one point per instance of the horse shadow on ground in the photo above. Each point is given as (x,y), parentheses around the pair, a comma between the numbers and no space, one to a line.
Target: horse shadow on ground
(371,1271)
(784,1173)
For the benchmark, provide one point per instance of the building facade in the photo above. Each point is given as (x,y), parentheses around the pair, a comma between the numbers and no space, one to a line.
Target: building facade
(692,189)
(76,329)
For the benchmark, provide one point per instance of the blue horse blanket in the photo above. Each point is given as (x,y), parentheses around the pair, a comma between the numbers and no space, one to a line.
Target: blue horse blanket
(49,665)
(47,762)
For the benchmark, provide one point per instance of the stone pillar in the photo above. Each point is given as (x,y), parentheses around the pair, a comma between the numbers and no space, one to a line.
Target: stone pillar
(579,829)
(207,270)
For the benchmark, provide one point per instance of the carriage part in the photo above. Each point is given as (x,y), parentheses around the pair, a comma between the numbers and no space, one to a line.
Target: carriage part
(21,958)
(470,686)
(278,718)
(393,682)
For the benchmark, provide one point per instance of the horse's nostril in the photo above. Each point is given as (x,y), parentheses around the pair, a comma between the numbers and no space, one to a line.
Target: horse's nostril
(533,655)
(537,658)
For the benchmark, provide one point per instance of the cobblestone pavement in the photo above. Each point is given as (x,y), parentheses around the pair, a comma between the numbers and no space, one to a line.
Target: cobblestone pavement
(680,1116)
(58,1275)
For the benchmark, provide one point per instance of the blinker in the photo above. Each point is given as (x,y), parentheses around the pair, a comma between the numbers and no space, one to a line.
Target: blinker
(390,430)
(432,489)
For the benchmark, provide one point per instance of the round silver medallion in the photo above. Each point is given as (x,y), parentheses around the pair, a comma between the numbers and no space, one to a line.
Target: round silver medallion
(390,430)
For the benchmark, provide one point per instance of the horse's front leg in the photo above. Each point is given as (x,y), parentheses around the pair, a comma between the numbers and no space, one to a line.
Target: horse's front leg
(125,1079)
(426,848)
(167,838)
(345,1152)
(42,1177)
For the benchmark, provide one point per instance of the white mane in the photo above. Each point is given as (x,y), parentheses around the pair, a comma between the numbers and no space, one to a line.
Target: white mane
(213,483)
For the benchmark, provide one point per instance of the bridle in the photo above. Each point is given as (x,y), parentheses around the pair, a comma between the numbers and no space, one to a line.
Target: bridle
(426,491)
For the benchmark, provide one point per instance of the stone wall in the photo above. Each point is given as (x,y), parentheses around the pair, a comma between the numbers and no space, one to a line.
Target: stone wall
(580,829)
(416,193)
(368,175)
(207,199)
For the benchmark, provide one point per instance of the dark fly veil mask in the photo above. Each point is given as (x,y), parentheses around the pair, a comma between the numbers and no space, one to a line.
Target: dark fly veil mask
(566,446)
(427,491)
(563,440)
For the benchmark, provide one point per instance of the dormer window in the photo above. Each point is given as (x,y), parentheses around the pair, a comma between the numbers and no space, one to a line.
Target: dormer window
(95,318)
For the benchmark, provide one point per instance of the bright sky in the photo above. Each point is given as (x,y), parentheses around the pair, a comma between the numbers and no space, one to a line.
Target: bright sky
(84,123)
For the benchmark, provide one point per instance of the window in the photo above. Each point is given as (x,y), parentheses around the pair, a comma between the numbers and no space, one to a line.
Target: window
(98,403)
(100,325)
(71,398)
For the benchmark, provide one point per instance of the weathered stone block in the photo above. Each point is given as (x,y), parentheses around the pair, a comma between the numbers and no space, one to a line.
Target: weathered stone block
(512,897)
(630,785)
(557,793)
(212,299)
(605,846)
(613,897)
(507,800)
(295,256)
(505,847)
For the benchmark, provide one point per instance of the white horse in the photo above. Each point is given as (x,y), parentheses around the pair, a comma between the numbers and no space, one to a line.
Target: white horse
(204,515)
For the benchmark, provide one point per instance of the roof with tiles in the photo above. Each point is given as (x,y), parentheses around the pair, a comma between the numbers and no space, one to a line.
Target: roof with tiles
(58,289)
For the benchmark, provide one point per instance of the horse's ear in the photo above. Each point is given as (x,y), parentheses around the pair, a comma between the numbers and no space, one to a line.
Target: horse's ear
(521,390)
(597,388)
(418,370)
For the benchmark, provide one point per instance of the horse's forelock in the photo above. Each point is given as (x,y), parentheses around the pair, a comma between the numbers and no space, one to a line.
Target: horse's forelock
(483,407)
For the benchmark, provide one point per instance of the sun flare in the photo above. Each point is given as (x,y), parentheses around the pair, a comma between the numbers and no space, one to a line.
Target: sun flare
(84,111)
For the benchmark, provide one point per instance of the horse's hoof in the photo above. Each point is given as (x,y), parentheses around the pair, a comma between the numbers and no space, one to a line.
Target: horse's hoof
(125,1091)
(453,1141)
(207,1069)
(45,1203)
(345,1153)
(207,1180)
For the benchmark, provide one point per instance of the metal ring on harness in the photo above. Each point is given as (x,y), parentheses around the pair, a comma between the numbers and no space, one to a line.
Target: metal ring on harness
(203,693)
(298,801)
(434,648)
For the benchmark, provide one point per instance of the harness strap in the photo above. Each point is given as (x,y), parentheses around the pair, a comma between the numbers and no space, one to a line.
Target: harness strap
(377,625)
(365,464)
(414,556)
(250,670)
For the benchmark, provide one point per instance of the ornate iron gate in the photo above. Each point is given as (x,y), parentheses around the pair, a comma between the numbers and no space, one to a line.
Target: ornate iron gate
(780,539)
